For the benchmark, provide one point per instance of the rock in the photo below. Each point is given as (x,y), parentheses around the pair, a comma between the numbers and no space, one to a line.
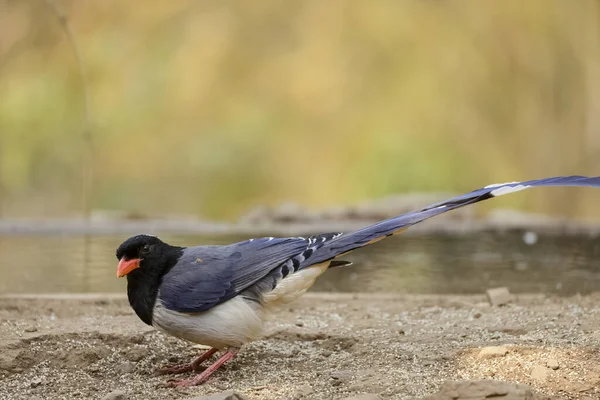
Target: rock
(539,373)
(367,396)
(492,351)
(30,329)
(227,395)
(302,391)
(35,382)
(116,395)
(552,363)
(93,369)
(342,375)
(498,296)
(479,390)
(127,368)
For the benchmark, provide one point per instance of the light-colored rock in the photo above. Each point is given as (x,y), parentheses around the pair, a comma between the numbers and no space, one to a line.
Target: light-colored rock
(498,296)
(552,363)
(302,392)
(539,373)
(342,375)
(480,390)
(368,396)
(35,382)
(492,351)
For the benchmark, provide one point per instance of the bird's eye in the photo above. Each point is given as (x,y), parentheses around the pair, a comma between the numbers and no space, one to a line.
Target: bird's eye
(145,249)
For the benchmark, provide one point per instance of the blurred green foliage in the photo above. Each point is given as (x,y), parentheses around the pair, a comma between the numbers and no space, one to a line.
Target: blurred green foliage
(213,107)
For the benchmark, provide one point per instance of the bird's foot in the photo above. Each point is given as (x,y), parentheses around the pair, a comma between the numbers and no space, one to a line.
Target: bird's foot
(203,377)
(187,367)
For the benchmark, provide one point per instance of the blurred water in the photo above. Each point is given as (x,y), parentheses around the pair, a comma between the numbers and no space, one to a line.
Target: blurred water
(441,263)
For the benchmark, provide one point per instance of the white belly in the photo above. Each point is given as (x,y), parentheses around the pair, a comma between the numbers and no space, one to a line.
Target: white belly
(232,323)
(237,321)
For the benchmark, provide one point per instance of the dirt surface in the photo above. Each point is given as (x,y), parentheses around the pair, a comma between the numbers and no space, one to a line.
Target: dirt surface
(324,346)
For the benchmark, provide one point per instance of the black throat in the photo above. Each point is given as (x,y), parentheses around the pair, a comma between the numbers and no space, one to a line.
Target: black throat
(144,282)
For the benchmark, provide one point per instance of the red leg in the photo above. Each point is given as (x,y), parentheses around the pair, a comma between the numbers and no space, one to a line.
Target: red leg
(187,367)
(201,378)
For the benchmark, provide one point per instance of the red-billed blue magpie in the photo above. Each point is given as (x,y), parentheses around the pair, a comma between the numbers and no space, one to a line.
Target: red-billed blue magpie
(219,295)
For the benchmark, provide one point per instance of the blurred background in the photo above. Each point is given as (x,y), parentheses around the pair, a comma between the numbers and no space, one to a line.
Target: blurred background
(212,108)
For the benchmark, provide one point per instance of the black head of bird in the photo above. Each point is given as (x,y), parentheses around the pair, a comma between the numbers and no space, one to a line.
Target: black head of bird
(144,259)
(145,255)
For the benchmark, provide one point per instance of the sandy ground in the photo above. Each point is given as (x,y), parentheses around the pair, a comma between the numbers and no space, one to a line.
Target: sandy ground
(324,346)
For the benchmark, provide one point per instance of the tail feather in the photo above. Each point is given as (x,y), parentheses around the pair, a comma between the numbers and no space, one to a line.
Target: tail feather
(371,234)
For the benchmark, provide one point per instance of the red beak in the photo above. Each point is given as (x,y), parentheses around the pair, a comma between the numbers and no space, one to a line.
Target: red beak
(126,266)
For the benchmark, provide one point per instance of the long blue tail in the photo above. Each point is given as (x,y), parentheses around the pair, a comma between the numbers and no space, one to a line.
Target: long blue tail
(371,234)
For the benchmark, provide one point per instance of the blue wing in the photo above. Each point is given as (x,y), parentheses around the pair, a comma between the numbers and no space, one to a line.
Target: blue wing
(209,275)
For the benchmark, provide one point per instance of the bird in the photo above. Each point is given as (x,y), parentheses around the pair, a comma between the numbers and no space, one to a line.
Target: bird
(219,296)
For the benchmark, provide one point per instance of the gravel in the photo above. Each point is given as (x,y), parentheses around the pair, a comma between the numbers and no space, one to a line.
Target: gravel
(348,345)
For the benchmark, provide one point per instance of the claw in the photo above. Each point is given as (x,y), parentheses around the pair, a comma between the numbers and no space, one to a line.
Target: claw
(203,377)
(188,367)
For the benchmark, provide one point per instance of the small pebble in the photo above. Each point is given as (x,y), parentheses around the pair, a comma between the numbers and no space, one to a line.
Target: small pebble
(302,391)
(492,351)
(539,373)
(341,375)
(484,389)
(552,363)
(368,396)
(31,329)
(498,296)
(36,382)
